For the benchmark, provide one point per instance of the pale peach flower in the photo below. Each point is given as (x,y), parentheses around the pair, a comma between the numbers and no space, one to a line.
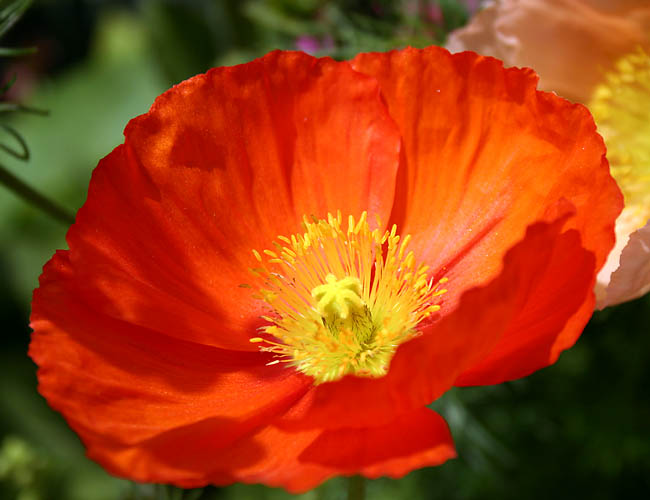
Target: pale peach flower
(569,43)
(594,52)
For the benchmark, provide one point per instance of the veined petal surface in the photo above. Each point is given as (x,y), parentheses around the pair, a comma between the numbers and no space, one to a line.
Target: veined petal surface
(486,155)
(221,165)
(123,385)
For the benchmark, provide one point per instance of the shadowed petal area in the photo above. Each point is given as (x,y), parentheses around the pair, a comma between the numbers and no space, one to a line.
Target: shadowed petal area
(122,386)
(484,322)
(222,164)
(295,460)
(632,278)
(411,441)
(486,155)
(557,303)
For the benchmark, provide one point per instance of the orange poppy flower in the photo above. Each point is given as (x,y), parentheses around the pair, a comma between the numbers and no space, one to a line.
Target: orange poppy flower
(211,323)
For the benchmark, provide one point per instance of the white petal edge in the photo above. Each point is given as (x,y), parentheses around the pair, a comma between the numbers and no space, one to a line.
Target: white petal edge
(632,277)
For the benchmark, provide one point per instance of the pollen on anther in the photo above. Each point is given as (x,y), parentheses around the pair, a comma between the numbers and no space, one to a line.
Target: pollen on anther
(342,300)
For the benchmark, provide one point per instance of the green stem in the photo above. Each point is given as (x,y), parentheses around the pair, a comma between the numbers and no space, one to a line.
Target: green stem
(22,51)
(11,107)
(356,488)
(32,196)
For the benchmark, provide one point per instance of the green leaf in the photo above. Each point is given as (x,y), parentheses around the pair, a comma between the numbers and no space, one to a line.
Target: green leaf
(10,13)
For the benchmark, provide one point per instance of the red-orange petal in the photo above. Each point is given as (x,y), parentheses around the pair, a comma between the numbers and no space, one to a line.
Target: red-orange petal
(295,460)
(411,441)
(119,385)
(548,321)
(486,155)
(424,368)
(220,165)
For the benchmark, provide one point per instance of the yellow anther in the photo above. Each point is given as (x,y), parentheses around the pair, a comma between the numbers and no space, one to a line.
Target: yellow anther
(342,299)
(619,106)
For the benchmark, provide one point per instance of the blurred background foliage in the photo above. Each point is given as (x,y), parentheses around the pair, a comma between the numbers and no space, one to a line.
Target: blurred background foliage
(580,428)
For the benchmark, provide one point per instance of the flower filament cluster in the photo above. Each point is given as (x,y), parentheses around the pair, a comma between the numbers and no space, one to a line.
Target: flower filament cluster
(621,106)
(342,299)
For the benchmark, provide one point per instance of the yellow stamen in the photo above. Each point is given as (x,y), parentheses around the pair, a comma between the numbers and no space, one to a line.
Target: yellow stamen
(621,108)
(342,299)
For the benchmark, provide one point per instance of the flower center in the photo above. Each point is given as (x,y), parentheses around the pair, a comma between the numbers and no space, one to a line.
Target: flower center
(343,300)
(621,108)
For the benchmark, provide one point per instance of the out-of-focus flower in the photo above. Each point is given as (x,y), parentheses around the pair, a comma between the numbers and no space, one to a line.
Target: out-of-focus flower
(569,43)
(590,51)
(211,323)
(308,44)
(472,5)
(312,45)
(434,13)
(621,107)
